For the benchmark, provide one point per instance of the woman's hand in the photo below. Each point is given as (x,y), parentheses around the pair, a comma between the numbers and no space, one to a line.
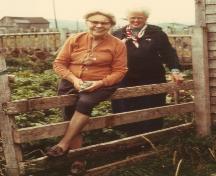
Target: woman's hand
(77,83)
(95,85)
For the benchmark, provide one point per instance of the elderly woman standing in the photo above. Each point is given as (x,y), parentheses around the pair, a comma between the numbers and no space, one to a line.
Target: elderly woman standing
(91,63)
(148,49)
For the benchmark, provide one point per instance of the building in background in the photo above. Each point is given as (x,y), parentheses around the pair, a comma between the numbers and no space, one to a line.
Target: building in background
(10,24)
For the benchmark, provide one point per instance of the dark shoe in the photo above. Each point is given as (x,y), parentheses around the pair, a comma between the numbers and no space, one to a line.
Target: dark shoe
(56,151)
(78,168)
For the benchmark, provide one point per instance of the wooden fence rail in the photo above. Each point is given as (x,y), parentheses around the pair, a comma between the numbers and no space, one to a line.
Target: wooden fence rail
(53,130)
(21,106)
(40,40)
(93,151)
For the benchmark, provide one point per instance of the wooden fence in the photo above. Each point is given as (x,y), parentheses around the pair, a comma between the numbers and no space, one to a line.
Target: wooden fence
(13,138)
(51,41)
(40,40)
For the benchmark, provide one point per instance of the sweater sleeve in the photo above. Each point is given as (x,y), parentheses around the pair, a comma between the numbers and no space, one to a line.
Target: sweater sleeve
(60,65)
(119,66)
(168,53)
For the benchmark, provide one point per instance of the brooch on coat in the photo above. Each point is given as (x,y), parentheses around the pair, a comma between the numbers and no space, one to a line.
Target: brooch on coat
(148,39)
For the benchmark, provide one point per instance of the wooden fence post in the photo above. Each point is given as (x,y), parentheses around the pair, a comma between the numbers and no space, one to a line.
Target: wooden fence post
(201,81)
(63,35)
(6,125)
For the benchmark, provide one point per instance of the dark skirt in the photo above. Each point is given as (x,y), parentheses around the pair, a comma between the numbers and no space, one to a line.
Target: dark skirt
(86,101)
(138,103)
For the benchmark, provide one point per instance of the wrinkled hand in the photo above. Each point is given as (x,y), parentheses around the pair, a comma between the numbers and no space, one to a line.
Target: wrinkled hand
(77,82)
(95,85)
(177,77)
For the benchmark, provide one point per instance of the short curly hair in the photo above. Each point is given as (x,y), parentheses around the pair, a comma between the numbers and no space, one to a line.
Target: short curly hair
(108,15)
(144,10)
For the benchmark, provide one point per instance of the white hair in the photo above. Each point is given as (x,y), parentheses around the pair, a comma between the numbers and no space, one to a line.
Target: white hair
(140,9)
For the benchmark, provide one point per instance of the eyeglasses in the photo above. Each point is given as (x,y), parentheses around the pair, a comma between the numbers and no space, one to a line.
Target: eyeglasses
(136,18)
(99,22)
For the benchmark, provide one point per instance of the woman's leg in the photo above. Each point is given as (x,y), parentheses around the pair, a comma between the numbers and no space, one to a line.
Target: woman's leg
(72,135)
(84,106)
(76,142)
(65,88)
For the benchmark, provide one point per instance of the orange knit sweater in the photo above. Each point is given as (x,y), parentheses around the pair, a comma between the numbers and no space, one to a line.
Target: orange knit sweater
(107,61)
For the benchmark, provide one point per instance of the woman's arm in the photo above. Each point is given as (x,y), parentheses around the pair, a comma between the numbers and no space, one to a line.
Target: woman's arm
(62,61)
(119,66)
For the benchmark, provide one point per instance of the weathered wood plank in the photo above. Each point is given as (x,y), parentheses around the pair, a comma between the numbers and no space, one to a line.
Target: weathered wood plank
(39,103)
(213,102)
(201,81)
(212,45)
(129,142)
(212,35)
(213,107)
(29,34)
(213,118)
(212,64)
(117,145)
(21,106)
(53,130)
(213,115)
(212,72)
(211,27)
(11,151)
(212,67)
(210,2)
(210,9)
(200,13)
(213,92)
(212,81)
(212,58)
(212,54)
(211,18)
(42,40)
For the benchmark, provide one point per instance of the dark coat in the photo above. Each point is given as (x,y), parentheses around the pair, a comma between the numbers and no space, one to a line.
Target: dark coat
(145,64)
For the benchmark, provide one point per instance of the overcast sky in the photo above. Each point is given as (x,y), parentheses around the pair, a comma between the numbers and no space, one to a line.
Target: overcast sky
(180,11)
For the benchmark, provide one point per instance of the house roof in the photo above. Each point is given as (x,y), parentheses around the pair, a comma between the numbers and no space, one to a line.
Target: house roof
(35,20)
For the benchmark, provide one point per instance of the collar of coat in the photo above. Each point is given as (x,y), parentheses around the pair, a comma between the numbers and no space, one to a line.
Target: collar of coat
(150,29)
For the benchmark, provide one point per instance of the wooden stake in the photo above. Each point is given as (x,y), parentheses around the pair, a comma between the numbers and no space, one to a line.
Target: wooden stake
(6,125)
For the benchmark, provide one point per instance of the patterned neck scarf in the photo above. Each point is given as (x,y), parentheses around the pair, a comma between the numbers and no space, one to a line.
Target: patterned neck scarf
(134,37)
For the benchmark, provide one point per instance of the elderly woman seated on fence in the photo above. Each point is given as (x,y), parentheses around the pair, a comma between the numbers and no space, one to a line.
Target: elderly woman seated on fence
(91,64)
